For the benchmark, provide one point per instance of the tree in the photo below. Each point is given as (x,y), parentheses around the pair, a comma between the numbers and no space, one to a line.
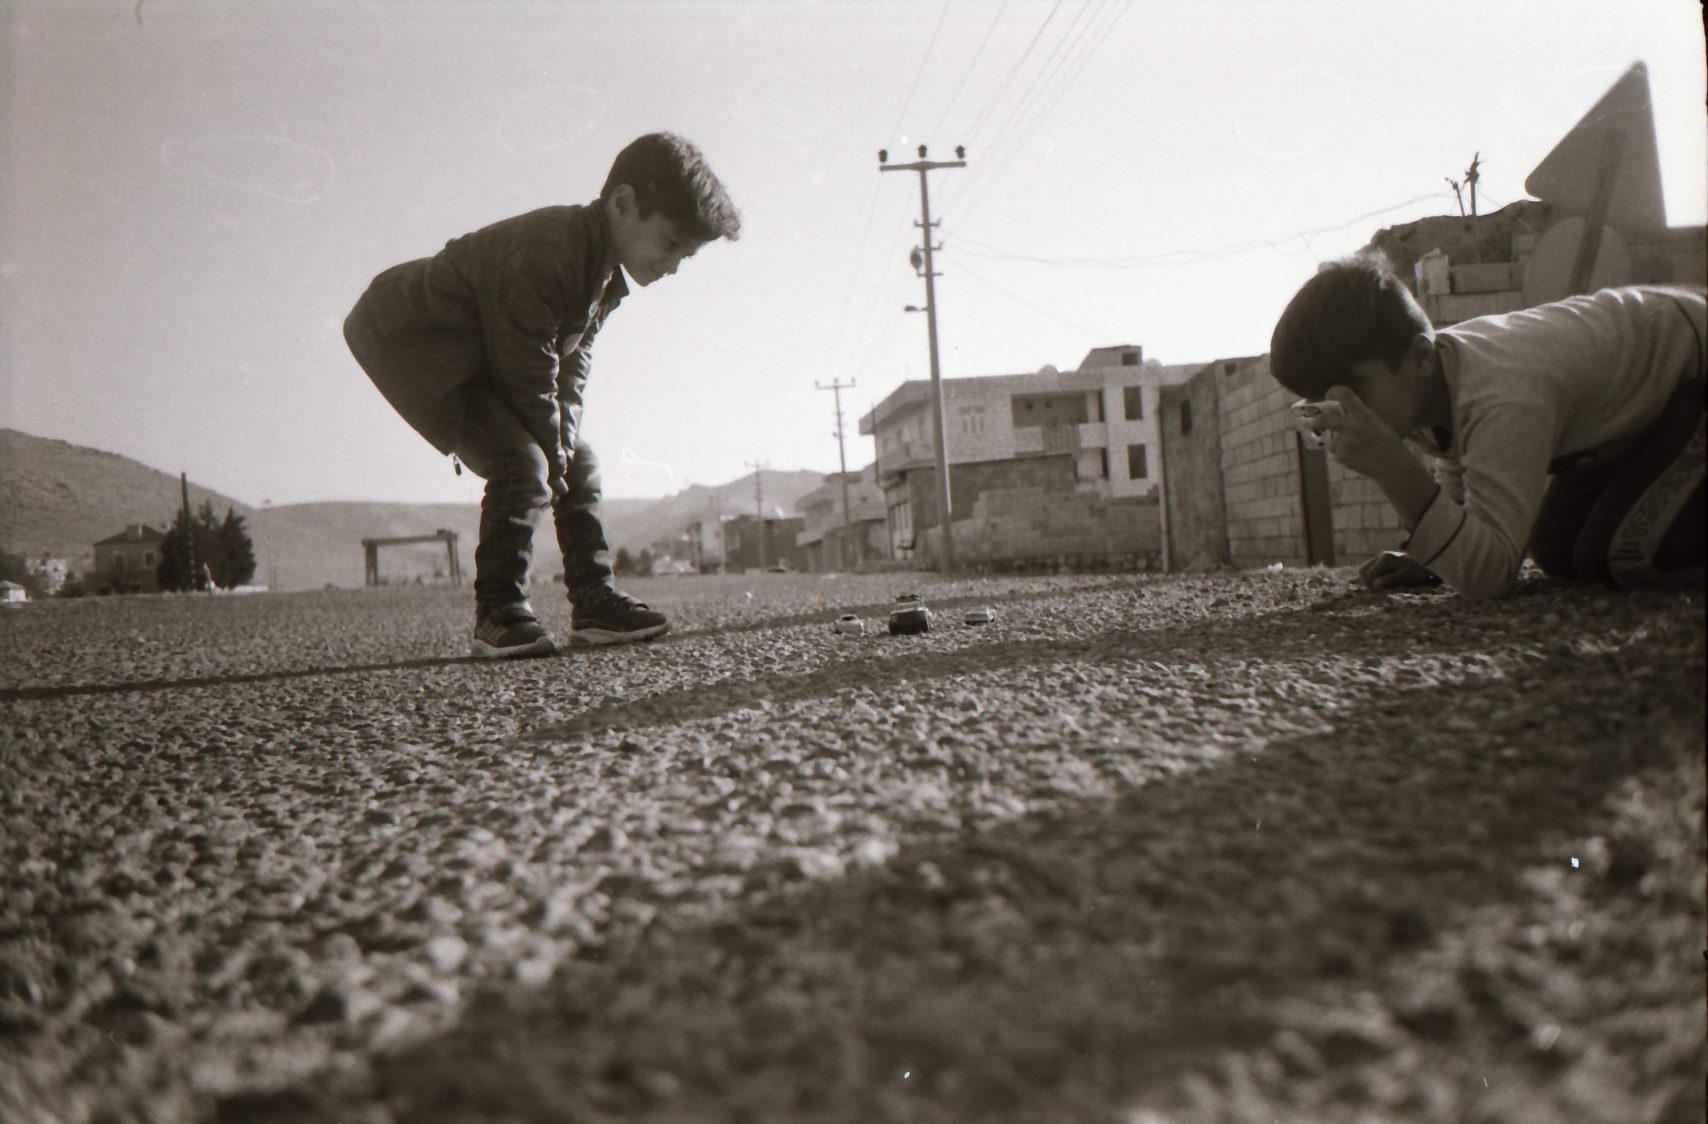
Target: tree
(234,554)
(184,545)
(222,551)
(624,563)
(643,564)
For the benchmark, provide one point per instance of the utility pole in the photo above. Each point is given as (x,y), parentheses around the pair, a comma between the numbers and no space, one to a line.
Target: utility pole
(272,548)
(1471,177)
(759,505)
(940,432)
(850,545)
(190,570)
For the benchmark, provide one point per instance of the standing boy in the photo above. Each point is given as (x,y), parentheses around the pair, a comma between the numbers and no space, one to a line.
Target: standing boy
(485,349)
(1573,430)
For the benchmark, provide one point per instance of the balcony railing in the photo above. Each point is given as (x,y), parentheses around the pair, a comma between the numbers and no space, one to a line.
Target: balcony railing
(1046,440)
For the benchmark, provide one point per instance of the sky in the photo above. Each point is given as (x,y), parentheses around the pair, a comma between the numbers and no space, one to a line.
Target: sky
(194,193)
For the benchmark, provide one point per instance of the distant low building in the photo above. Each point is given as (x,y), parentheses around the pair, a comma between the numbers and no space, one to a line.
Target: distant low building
(128,562)
(828,541)
(11,593)
(751,543)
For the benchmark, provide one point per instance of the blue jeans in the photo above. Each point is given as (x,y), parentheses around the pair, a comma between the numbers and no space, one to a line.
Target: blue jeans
(483,433)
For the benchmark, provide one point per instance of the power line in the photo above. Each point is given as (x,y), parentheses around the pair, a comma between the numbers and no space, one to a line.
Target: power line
(1020,103)
(937,129)
(923,64)
(988,283)
(1189,256)
(990,106)
(1033,113)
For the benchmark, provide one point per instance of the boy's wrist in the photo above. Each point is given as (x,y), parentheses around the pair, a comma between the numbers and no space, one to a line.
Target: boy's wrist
(1408,485)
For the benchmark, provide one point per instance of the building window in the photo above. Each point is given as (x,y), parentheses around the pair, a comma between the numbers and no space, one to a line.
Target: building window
(1137,469)
(1129,359)
(1103,456)
(1133,403)
(1229,367)
(1186,417)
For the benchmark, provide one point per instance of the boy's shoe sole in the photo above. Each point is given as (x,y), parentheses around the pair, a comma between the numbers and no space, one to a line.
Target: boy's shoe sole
(481,650)
(591,637)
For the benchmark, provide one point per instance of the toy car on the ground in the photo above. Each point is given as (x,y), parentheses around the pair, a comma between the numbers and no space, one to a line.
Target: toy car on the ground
(909,615)
(850,625)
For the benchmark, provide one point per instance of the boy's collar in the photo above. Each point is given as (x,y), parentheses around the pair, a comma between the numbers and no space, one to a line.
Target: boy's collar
(602,232)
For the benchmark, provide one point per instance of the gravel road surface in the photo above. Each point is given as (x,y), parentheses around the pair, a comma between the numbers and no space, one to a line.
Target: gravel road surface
(1143,850)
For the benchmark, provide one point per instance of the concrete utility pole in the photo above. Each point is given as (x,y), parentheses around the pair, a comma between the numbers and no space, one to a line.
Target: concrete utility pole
(1471,178)
(850,544)
(759,504)
(190,571)
(940,432)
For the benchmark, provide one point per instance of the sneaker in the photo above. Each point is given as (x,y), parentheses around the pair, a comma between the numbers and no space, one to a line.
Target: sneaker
(605,616)
(508,633)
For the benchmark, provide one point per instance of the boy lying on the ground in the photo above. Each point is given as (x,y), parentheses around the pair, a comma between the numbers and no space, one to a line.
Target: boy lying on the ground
(1573,430)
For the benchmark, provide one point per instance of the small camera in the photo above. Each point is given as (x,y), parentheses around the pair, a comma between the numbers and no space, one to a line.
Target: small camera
(1306,412)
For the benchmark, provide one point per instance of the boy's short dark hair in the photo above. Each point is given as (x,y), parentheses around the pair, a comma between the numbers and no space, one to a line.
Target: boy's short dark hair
(671,176)
(1352,310)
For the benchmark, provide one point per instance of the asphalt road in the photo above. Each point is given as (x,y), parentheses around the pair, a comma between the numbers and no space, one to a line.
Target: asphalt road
(1230,847)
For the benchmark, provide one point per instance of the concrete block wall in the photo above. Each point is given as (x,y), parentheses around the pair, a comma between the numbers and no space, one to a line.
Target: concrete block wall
(1260,468)
(1030,525)
(1364,521)
(1261,485)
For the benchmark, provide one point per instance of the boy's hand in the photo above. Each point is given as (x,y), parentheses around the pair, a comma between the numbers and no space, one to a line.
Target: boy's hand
(1393,569)
(1360,440)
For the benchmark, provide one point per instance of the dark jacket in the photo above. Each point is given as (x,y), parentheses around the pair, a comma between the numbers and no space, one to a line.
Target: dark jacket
(516,303)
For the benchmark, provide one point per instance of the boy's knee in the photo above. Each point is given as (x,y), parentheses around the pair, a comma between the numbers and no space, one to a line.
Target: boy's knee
(521,471)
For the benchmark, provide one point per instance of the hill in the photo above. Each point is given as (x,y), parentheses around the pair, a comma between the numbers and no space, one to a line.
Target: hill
(57,499)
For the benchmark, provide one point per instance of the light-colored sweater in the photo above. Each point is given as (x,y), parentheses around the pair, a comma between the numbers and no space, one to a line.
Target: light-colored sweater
(1582,376)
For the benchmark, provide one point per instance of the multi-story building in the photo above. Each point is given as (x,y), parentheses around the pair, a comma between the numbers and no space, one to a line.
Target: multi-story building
(128,561)
(829,541)
(1050,467)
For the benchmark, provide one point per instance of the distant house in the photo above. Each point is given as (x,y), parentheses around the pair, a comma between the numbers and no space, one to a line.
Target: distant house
(128,561)
(11,593)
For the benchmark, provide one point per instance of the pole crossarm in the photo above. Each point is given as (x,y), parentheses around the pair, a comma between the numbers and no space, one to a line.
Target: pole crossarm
(922,166)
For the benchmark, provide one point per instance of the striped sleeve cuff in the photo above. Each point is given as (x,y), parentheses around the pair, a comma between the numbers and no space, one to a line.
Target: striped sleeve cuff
(1436,529)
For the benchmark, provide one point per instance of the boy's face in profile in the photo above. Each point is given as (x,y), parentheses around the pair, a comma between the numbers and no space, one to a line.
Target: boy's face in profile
(648,248)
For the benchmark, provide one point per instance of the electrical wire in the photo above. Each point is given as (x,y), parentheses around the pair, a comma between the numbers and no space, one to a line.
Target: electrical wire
(961,268)
(1092,37)
(937,129)
(924,64)
(1189,256)
(1045,71)
(990,106)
